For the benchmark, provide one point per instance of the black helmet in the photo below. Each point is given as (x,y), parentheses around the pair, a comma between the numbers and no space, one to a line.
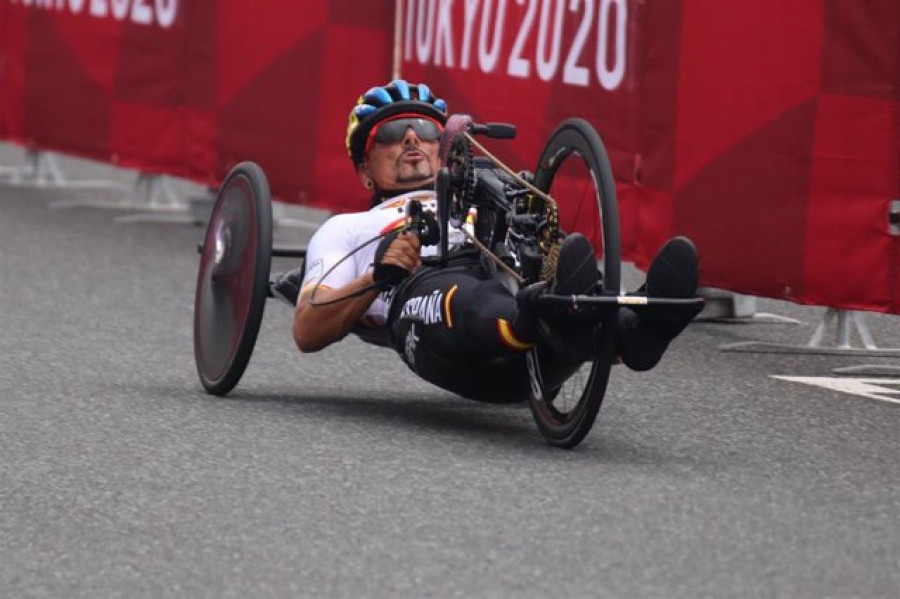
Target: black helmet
(379,103)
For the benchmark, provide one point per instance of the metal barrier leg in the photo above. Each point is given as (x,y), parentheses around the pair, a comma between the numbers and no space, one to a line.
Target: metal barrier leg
(734,308)
(844,323)
(47,170)
(40,169)
(154,196)
(150,192)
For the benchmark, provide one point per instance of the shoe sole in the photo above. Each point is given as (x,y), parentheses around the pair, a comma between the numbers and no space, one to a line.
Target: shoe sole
(674,271)
(577,257)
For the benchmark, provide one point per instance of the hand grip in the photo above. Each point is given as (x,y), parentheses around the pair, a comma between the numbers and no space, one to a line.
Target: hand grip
(495,130)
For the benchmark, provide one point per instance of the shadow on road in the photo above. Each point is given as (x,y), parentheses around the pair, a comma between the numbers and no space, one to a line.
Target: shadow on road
(509,426)
(440,413)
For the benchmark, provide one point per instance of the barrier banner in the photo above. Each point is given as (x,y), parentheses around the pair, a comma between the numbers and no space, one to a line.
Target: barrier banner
(535,63)
(767,131)
(781,151)
(191,88)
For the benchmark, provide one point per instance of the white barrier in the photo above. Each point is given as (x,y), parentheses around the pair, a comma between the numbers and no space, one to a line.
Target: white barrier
(845,322)
(728,307)
(151,194)
(151,197)
(41,169)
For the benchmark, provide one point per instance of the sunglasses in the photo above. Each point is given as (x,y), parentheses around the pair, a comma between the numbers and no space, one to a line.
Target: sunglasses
(393,130)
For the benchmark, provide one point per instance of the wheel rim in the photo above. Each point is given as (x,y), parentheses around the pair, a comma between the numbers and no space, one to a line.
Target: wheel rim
(229,259)
(232,278)
(574,184)
(575,171)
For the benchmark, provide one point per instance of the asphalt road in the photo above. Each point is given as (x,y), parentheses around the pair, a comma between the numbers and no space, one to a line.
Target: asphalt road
(341,475)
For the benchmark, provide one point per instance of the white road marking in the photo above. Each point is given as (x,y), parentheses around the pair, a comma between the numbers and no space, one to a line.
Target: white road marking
(874,388)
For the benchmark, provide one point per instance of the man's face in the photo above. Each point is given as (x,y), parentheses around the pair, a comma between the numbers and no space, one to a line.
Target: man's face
(408,163)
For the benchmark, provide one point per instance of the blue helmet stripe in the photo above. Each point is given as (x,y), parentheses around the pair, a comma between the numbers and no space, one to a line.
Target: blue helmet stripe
(363,110)
(402,88)
(377,96)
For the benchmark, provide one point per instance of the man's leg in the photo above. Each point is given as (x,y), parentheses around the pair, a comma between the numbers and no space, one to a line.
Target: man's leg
(452,327)
(642,338)
(673,273)
(571,340)
(464,331)
(286,285)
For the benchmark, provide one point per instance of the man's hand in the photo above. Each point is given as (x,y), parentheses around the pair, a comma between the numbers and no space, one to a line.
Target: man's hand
(396,257)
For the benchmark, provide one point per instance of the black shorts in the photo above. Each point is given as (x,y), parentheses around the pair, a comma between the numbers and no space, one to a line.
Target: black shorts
(453,327)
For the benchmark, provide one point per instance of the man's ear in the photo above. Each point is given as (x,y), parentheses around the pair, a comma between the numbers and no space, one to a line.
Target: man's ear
(362,171)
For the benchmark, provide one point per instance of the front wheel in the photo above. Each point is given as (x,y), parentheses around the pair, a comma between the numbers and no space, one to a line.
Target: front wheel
(574,170)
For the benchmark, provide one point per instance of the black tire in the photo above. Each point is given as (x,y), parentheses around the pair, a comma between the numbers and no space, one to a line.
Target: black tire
(232,280)
(573,140)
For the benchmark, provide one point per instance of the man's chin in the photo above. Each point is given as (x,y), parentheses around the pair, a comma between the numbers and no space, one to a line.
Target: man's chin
(414,180)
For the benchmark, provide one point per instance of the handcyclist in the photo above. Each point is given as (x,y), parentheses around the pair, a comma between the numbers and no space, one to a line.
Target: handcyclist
(456,326)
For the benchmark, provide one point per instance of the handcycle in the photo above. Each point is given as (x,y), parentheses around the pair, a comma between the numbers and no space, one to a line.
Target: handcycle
(519,230)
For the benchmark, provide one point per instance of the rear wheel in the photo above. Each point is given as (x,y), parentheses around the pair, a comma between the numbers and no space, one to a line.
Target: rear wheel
(574,169)
(232,280)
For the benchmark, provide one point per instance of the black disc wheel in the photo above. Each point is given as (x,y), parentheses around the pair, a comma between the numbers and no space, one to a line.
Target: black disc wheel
(574,170)
(232,279)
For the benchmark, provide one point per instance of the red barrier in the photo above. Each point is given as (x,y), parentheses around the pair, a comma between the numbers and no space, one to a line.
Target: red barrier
(192,88)
(767,131)
(535,64)
(783,154)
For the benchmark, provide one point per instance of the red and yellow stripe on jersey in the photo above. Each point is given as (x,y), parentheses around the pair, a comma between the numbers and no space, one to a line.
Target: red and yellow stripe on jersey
(448,315)
(508,338)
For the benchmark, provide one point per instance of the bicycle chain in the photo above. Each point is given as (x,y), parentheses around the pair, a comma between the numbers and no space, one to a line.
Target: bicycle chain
(460,163)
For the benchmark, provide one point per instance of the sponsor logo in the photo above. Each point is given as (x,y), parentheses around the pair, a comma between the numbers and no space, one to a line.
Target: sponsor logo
(313,272)
(579,42)
(387,295)
(161,13)
(534,374)
(429,308)
(409,351)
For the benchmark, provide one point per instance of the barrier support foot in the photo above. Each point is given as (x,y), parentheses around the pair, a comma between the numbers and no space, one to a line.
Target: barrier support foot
(844,321)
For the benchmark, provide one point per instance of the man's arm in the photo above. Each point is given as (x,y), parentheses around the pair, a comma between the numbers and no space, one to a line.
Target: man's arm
(318,326)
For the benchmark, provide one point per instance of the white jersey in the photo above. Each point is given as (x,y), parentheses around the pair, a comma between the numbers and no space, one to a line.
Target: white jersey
(342,234)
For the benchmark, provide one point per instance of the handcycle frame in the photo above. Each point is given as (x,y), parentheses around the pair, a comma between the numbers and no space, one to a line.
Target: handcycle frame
(232,281)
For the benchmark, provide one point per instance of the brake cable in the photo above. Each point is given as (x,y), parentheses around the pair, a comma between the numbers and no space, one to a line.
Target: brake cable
(530,187)
(352,294)
(413,222)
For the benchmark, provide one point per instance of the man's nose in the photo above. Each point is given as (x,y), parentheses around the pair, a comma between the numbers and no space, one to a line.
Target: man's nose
(411,137)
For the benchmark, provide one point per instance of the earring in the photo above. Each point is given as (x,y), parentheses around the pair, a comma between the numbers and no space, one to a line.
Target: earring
(369,184)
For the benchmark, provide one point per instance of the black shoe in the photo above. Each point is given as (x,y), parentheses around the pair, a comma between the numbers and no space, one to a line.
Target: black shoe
(576,267)
(644,337)
(576,274)
(286,285)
